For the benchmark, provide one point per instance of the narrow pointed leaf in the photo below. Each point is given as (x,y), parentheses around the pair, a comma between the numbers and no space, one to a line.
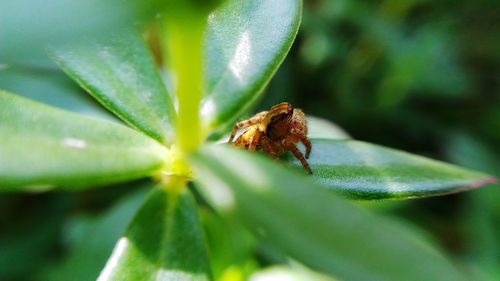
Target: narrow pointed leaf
(368,171)
(43,147)
(120,73)
(246,42)
(164,242)
(314,226)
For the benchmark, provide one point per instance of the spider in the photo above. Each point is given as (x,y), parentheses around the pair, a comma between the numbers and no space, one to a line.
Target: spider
(275,131)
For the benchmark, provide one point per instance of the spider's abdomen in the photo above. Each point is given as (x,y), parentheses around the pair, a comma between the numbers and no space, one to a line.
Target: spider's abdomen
(298,126)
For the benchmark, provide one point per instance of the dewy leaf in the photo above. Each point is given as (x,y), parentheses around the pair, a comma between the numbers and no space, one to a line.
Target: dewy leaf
(121,74)
(314,226)
(163,242)
(43,147)
(368,171)
(245,43)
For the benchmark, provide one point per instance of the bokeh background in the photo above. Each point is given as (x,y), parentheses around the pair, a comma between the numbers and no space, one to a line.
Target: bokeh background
(421,76)
(418,75)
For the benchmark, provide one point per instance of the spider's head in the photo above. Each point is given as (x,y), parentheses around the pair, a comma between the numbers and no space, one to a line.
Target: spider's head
(277,121)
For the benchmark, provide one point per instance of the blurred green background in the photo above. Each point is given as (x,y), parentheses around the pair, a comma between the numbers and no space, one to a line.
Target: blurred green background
(421,76)
(417,75)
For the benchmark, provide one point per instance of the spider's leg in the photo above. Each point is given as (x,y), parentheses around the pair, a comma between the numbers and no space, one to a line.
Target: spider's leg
(307,144)
(245,123)
(296,152)
(255,141)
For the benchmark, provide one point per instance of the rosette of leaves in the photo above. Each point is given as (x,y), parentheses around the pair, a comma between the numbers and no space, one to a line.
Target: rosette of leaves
(220,59)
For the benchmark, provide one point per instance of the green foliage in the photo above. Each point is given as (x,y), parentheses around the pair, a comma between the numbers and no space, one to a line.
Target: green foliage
(273,202)
(295,273)
(239,59)
(319,128)
(482,211)
(29,25)
(215,60)
(86,255)
(163,242)
(367,171)
(43,148)
(52,87)
(121,75)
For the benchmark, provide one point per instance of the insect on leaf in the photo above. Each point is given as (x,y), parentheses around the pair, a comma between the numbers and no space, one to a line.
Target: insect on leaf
(314,226)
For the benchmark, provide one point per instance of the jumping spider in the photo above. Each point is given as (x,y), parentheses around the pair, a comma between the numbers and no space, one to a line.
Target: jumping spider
(275,131)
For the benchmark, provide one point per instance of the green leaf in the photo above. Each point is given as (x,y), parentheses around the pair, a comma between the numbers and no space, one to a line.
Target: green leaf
(121,74)
(85,255)
(29,234)
(163,242)
(229,243)
(245,43)
(292,273)
(42,147)
(368,171)
(319,128)
(28,26)
(482,211)
(53,87)
(314,226)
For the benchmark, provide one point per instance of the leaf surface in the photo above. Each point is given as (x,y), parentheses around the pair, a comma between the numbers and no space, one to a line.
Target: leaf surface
(121,74)
(290,273)
(312,225)
(43,147)
(164,241)
(85,256)
(245,43)
(319,128)
(27,26)
(368,171)
(52,87)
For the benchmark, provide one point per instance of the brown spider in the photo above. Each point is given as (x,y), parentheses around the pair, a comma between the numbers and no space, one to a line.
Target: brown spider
(275,131)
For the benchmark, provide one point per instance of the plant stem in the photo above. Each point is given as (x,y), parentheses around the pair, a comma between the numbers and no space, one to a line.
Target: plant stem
(184,45)
(185,36)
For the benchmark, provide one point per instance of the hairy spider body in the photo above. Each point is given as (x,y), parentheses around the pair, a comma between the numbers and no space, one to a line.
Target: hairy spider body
(275,132)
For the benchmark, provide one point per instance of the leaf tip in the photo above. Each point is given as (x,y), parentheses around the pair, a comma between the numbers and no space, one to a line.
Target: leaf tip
(486,181)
